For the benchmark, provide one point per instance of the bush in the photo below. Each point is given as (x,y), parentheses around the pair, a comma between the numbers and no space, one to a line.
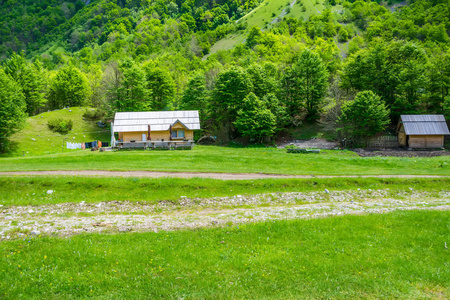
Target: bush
(93,114)
(60,125)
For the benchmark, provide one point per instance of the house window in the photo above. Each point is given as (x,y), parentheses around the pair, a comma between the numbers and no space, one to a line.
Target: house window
(178,134)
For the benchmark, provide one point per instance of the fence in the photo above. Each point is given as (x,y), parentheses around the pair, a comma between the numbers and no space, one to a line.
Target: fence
(384,141)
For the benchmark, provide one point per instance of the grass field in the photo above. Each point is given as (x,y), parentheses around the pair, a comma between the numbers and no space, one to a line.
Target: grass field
(33,190)
(396,255)
(235,160)
(37,139)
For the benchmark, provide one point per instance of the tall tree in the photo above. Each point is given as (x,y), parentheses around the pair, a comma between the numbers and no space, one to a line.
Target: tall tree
(363,117)
(132,94)
(305,85)
(395,71)
(161,88)
(254,119)
(68,88)
(31,78)
(12,109)
(438,74)
(230,89)
(263,83)
(195,96)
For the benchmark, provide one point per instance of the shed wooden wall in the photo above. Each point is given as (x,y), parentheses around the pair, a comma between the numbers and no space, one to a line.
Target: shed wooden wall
(402,136)
(426,141)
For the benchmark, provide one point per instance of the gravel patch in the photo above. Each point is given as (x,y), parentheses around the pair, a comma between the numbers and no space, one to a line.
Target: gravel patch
(124,216)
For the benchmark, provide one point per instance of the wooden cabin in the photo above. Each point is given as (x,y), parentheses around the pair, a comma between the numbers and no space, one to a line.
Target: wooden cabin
(154,128)
(422,131)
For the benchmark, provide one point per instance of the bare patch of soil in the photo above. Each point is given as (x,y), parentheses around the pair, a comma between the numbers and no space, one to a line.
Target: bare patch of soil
(401,153)
(313,143)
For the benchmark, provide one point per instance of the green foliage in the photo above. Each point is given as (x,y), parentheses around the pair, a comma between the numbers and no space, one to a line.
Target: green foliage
(180,47)
(93,114)
(230,90)
(68,88)
(12,109)
(195,96)
(31,78)
(363,117)
(131,93)
(254,119)
(60,125)
(395,71)
(305,85)
(161,88)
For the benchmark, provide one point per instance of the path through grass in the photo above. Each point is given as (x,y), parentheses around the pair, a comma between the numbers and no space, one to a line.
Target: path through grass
(232,160)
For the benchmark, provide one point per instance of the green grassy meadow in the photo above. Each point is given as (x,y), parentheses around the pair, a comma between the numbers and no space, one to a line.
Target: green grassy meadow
(33,190)
(396,255)
(47,142)
(234,160)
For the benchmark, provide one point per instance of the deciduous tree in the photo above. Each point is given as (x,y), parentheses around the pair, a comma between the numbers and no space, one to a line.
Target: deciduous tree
(31,78)
(160,86)
(305,85)
(12,109)
(68,88)
(363,117)
(254,119)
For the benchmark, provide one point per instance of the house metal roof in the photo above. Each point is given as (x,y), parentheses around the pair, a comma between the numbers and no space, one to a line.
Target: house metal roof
(158,120)
(424,124)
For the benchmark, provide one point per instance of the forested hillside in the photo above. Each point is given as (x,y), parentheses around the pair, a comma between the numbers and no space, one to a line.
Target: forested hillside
(346,65)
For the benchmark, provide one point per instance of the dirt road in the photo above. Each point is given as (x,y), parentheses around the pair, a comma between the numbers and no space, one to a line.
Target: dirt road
(222,176)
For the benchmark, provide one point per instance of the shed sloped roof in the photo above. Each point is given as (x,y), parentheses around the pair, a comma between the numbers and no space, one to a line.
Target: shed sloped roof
(158,120)
(424,124)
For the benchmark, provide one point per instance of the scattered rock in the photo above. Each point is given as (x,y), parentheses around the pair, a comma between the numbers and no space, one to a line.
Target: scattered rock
(124,229)
(102,224)
(35,232)
(49,192)
(30,211)
(327,191)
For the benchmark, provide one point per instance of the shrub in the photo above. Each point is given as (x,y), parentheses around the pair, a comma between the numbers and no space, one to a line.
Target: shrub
(60,125)
(93,114)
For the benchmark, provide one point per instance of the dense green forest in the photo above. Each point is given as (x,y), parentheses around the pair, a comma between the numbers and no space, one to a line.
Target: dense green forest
(352,67)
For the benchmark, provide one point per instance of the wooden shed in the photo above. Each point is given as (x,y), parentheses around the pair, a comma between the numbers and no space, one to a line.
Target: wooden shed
(422,131)
(152,128)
